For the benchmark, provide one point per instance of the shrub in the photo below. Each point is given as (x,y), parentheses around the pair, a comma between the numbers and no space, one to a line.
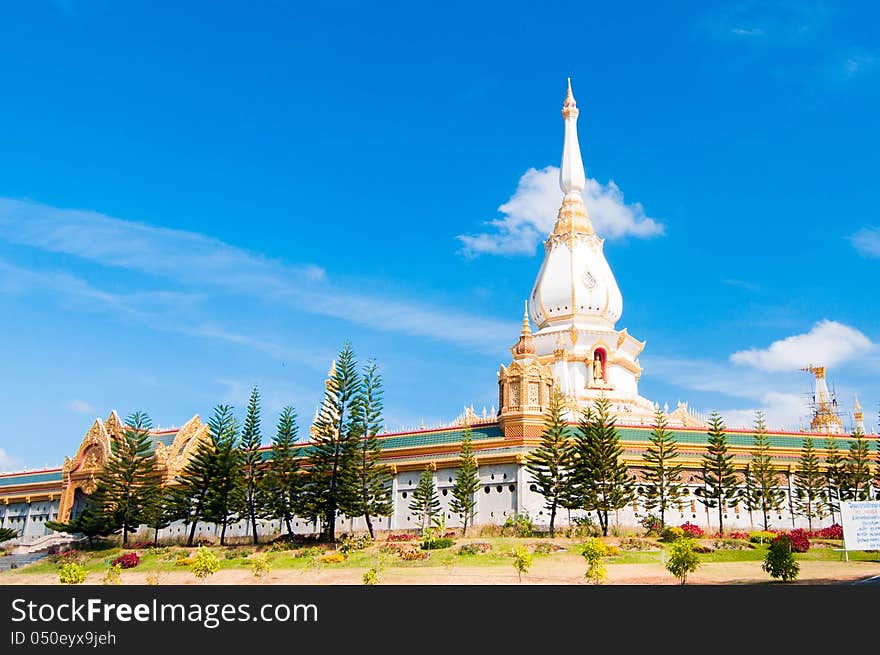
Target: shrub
(127,561)
(545,547)
(761,537)
(671,534)
(636,544)
(682,559)
(71,573)
(732,544)
(204,563)
(779,561)
(153,578)
(412,554)
(436,543)
(184,560)
(799,541)
(834,531)
(475,548)
(651,524)
(332,557)
(739,534)
(692,530)
(351,543)
(260,564)
(371,577)
(406,536)
(519,525)
(522,560)
(73,555)
(312,551)
(613,551)
(700,548)
(113,575)
(581,527)
(593,551)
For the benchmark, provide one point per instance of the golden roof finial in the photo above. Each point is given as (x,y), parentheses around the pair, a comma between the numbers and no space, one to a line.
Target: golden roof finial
(526,327)
(858,406)
(569,107)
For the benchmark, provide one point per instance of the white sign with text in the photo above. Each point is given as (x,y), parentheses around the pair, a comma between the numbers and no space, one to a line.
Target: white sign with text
(861,524)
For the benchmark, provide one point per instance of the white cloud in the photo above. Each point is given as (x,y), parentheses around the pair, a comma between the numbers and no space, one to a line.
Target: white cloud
(786,411)
(828,343)
(80,407)
(8,462)
(530,214)
(206,265)
(867,241)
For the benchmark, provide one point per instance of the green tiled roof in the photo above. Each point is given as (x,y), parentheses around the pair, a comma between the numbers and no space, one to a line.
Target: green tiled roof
(436,438)
(30,478)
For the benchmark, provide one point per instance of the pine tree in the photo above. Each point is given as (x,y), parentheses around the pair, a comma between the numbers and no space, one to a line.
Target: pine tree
(223,502)
(252,464)
(747,493)
(160,513)
(90,523)
(425,503)
(857,469)
(373,479)
(834,475)
(189,496)
(810,485)
(662,475)
(717,472)
(129,484)
(764,474)
(549,464)
(332,476)
(283,484)
(601,477)
(467,483)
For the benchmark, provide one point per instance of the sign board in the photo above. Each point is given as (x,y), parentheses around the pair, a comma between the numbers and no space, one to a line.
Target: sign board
(861,525)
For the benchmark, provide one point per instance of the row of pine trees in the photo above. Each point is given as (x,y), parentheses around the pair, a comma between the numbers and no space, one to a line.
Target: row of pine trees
(585,470)
(230,478)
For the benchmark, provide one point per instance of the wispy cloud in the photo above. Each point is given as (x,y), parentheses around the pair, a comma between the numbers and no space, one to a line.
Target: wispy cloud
(80,407)
(8,462)
(867,241)
(203,265)
(530,213)
(778,23)
(828,343)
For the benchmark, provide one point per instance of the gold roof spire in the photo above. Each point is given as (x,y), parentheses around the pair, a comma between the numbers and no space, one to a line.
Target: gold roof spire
(526,327)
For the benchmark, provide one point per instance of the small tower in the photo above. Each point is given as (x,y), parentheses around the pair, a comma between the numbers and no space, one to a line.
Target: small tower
(524,388)
(824,405)
(859,417)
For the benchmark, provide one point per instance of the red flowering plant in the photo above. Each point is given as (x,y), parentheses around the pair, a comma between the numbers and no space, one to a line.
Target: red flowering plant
(739,534)
(691,530)
(127,561)
(406,536)
(799,541)
(831,532)
(140,545)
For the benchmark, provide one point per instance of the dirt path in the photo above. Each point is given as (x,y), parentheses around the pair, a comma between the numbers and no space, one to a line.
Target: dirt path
(543,572)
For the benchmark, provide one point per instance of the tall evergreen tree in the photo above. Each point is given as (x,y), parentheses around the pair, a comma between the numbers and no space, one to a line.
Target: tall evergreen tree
(332,476)
(194,483)
(425,503)
(717,472)
(160,513)
(834,475)
(373,479)
(223,502)
(283,484)
(857,469)
(662,474)
(601,477)
(90,523)
(252,464)
(810,485)
(467,483)
(747,493)
(764,473)
(129,484)
(549,464)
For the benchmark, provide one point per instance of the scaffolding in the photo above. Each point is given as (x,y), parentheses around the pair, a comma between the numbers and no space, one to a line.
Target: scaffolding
(826,416)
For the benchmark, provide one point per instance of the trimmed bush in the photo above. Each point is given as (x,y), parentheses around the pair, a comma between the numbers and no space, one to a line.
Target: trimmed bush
(437,543)
(779,561)
(671,534)
(204,563)
(332,557)
(71,573)
(761,537)
(476,548)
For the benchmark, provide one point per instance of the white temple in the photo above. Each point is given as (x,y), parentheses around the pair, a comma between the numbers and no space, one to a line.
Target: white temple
(576,305)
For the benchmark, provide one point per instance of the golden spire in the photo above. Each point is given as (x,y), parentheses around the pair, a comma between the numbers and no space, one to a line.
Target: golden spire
(526,327)
(526,344)
(569,107)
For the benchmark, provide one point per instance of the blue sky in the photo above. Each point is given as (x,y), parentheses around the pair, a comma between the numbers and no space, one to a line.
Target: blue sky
(200,197)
